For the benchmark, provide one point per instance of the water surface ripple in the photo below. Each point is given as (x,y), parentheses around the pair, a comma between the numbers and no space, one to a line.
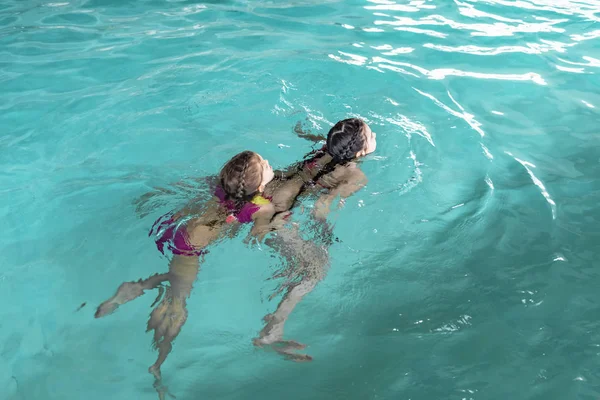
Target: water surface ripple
(467,269)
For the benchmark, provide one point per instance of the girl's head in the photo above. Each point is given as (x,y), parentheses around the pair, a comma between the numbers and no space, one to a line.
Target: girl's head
(349,139)
(245,175)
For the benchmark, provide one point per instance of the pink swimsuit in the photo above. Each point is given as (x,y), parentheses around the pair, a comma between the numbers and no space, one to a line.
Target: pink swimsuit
(174,235)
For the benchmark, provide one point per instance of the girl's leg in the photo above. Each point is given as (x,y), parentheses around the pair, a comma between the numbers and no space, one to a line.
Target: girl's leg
(129,291)
(272,333)
(167,319)
(308,262)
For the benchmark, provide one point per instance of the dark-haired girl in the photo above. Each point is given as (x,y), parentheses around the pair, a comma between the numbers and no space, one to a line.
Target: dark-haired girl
(329,173)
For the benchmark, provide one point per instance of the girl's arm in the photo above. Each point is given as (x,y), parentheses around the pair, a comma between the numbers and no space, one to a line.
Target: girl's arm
(284,195)
(343,182)
(266,220)
(307,134)
(273,215)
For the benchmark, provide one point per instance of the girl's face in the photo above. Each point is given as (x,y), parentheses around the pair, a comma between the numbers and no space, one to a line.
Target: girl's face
(370,141)
(267,174)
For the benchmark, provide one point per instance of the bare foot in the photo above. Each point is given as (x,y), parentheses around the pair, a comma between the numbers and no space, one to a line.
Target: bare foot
(296,357)
(126,292)
(271,337)
(286,345)
(272,332)
(161,389)
(286,348)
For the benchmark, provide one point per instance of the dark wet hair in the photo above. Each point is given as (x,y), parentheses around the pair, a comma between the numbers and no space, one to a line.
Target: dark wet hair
(346,138)
(241,177)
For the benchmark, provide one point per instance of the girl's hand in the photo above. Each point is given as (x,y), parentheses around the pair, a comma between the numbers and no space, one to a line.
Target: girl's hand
(280,220)
(322,207)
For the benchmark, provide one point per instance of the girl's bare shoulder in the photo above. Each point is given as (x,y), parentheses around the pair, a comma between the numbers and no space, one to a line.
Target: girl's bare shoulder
(340,174)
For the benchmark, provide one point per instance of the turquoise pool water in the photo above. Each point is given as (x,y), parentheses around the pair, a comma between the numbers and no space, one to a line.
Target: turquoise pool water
(467,269)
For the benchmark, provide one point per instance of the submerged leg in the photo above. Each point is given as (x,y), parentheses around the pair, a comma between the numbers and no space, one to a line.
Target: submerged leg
(272,333)
(306,265)
(166,320)
(169,316)
(129,291)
